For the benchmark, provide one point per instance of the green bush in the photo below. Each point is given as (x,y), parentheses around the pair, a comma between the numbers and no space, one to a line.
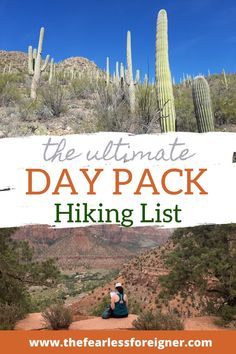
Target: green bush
(98,310)
(58,317)
(186,120)
(9,314)
(9,92)
(54,99)
(82,88)
(29,109)
(158,321)
(18,270)
(42,300)
(134,307)
(228,313)
(111,108)
(147,110)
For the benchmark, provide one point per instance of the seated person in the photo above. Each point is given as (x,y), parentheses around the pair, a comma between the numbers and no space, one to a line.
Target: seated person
(119,304)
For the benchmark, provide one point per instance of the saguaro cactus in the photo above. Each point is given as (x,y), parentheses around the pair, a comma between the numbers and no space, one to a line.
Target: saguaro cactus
(137,77)
(163,75)
(129,76)
(122,75)
(117,70)
(34,64)
(203,105)
(108,71)
(51,72)
(225,79)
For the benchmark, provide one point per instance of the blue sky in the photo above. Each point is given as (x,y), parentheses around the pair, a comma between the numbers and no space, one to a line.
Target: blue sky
(202,33)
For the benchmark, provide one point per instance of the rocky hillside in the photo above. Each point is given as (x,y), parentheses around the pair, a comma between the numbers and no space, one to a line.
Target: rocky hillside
(78,64)
(17,62)
(140,278)
(96,247)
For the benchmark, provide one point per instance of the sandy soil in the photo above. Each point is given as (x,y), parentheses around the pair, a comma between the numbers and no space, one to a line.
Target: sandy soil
(35,321)
(201,323)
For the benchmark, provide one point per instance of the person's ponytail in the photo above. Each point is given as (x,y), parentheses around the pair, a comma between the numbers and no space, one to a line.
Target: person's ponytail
(120,290)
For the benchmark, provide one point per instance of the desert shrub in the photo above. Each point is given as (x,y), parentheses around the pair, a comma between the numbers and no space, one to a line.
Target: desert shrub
(224,99)
(134,307)
(17,271)
(41,301)
(98,309)
(54,99)
(227,313)
(82,88)
(9,314)
(158,321)
(29,109)
(9,92)
(58,317)
(186,120)
(111,109)
(147,110)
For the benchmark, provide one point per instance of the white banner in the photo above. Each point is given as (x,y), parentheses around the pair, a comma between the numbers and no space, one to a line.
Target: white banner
(168,180)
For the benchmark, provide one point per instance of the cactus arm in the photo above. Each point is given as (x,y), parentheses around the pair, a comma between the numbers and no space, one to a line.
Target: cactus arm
(122,71)
(117,71)
(137,78)
(30,61)
(39,52)
(225,80)
(44,66)
(108,71)
(34,53)
(146,79)
(51,72)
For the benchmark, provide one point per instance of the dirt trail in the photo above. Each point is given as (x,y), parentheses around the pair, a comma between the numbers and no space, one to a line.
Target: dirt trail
(201,323)
(32,321)
(99,323)
(35,321)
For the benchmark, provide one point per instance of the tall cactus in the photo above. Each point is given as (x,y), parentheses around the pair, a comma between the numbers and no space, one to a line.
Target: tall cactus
(122,75)
(52,71)
(117,70)
(203,105)
(137,77)
(34,64)
(108,71)
(163,76)
(129,78)
(225,79)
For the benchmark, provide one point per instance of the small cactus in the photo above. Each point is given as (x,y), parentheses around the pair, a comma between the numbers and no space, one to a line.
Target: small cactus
(117,71)
(122,75)
(34,64)
(122,71)
(203,105)
(163,76)
(108,71)
(146,79)
(225,79)
(137,77)
(52,71)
